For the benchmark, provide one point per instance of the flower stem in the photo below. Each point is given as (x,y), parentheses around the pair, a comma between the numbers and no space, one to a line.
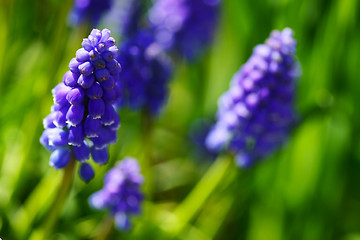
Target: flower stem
(105,228)
(146,132)
(60,198)
(193,203)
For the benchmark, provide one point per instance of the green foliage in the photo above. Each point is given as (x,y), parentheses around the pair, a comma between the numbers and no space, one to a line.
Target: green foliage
(310,189)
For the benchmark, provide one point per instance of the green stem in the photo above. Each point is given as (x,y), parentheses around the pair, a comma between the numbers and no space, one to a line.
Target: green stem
(105,228)
(57,205)
(146,133)
(193,203)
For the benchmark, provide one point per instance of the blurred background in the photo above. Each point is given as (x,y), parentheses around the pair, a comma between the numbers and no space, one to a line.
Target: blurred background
(309,189)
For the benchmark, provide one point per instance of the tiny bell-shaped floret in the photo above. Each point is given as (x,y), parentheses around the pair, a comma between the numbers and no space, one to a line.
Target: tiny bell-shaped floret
(96,108)
(76,135)
(95,91)
(76,96)
(100,156)
(86,172)
(75,114)
(82,152)
(60,158)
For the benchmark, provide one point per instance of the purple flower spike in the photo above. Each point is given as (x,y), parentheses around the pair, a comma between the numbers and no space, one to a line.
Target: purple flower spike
(257,113)
(82,119)
(147,71)
(90,11)
(121,193)
(130,13)
(185,26)
(86,172)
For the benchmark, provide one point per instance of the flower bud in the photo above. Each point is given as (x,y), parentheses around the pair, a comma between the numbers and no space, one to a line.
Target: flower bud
(86,172)
(60,158)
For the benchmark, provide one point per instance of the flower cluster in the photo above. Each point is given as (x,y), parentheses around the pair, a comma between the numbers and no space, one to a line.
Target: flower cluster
(256,114)
(146,72)
(121,192)
(131,15)
(89,11)
(83,119)
(184,25)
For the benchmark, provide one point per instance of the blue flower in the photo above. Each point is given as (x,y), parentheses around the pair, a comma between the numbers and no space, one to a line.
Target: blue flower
(83,120)
(147,71)
(131,15)
(89,11)
(256,114)
(121,193)
(184,25)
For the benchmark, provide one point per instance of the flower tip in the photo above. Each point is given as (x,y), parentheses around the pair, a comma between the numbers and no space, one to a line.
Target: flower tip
(96,200)
(122,222)
(217,138)
(86,172)
(244,160)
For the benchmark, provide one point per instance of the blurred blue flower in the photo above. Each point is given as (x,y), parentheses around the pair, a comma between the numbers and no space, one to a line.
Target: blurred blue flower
(199,129)
(121,193)
(131,16)
(186,26)
(256,114)
(146,73)
(83,120)
(89,11)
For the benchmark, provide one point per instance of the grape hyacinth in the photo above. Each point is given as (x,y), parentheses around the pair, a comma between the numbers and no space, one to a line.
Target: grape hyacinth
(198,132)
(121,193)
(184,25)
(131,14)
(256,114)
(89,11)
(147,71)
(83,120)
